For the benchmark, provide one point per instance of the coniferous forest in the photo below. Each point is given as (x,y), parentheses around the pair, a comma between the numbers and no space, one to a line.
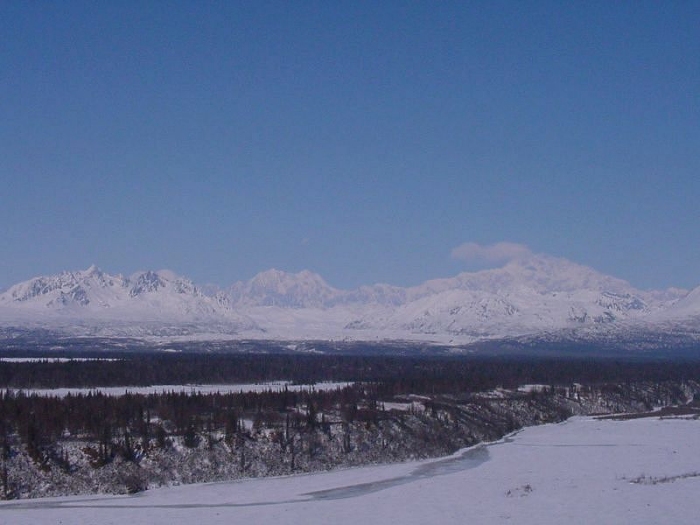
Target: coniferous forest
(380,408)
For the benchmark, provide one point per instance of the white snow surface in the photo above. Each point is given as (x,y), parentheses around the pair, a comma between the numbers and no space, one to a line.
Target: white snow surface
(535,295)
(92,299)
(274,386)
(581,471)
(53,359)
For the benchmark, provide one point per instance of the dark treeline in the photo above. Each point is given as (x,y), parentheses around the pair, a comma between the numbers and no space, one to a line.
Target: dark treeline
(449,413)
(130,425)
(398,374)
(44,419)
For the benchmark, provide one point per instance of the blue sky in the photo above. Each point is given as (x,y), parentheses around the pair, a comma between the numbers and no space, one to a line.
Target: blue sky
(364,141)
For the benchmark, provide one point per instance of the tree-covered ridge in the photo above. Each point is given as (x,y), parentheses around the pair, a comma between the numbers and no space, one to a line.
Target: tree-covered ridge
(395,409)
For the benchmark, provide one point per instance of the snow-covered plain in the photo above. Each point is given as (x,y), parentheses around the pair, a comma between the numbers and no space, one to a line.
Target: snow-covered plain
(273,386)
(582,471)
(53,359)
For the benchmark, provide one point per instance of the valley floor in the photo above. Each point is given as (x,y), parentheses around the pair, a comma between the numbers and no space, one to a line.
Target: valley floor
(584,470)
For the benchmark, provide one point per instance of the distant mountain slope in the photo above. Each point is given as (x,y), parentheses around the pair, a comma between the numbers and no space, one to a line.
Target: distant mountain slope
(145,298)
(539,293)
(687,307)
(276,288)
(536,295)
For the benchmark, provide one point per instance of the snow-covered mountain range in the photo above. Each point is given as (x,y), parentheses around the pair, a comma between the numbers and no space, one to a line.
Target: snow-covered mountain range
(530,296)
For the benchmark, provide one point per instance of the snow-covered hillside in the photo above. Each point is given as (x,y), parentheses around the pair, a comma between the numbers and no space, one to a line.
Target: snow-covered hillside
(117,304)
(534,295)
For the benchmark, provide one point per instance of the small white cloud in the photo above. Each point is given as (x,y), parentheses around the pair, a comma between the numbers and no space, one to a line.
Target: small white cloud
(495,253)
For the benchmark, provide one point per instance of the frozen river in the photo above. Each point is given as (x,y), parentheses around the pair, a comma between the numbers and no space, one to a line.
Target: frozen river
(581,471)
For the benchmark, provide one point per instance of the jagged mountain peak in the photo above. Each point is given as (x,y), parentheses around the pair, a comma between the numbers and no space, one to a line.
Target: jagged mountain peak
(535,294)
(145,299)
(48,286)
(93,270)
(165,275)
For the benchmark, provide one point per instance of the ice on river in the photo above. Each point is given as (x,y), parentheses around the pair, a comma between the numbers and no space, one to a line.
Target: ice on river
(582,471)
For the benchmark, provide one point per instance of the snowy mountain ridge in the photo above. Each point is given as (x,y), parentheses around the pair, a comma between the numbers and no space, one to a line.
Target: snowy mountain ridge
(526,296)
(92,296)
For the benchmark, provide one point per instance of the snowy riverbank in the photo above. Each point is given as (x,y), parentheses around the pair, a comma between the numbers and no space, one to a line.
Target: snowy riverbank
(584,470)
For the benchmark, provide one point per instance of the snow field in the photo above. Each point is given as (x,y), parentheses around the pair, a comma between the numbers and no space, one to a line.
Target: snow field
(275,386)
(581,471)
